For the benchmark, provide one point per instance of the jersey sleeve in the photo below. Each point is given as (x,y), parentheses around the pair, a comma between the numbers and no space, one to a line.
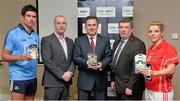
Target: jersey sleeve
(171,55)
(9,41)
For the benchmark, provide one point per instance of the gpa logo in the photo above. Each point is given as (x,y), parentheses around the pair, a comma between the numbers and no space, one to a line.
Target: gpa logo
(16,87)
(36,40)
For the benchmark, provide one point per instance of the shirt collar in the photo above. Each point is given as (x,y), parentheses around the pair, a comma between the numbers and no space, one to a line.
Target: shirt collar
(125,41)
(59,36)
(22,28)
(95,36)
(159,45)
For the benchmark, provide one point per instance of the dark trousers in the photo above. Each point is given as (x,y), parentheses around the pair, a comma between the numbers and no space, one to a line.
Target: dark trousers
(97,94)
(136,96)
(56,93)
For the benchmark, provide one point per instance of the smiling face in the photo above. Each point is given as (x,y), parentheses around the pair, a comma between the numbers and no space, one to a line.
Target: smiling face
(155,32)
(91,27)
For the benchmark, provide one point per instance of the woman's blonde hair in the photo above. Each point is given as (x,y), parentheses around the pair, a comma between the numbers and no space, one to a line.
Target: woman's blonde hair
(157,23)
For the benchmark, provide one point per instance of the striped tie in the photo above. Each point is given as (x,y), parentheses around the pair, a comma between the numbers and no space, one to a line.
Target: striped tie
(92,45)
(117,53)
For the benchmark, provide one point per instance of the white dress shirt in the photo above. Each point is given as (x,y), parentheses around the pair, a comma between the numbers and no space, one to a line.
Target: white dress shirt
(94,38)
(63,43)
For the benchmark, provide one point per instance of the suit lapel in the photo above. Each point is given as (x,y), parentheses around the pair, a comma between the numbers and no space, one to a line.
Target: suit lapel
(87,43)
(98,40)
(126,47)
(60,48)
(116,44)
(68,48)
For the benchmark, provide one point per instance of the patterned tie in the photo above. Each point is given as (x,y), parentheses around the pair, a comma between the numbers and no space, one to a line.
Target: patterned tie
(117,53)
(92,45)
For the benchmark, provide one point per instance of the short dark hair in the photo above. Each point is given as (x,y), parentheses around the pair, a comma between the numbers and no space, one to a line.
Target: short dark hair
(127,19)
(28,8)
(91,17)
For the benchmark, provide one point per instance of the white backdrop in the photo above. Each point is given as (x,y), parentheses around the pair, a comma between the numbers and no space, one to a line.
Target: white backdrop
(48,9)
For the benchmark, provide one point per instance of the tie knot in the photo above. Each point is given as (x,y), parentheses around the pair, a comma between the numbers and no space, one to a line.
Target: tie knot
(122,41)
(92,38)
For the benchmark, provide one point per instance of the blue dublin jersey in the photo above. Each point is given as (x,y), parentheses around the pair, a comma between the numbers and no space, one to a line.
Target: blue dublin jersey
(19,42)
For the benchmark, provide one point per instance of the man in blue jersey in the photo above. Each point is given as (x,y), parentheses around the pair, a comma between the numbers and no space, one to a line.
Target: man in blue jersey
(20,49)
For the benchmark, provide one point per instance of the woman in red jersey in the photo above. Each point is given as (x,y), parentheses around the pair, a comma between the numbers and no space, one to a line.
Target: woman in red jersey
(162,58)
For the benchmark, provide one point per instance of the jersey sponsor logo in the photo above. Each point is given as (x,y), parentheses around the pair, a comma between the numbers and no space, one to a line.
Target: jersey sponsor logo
(30,38)
(23,40)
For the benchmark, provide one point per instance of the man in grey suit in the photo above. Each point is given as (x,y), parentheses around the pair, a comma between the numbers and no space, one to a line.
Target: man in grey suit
(92,71)
(57,54)
(129,86)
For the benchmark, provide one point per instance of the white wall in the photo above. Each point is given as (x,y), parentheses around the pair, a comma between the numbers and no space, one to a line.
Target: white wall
(48,9)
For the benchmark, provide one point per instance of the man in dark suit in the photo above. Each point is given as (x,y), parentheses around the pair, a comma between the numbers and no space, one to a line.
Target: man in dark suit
(57,54)
(129,86)
(92,73)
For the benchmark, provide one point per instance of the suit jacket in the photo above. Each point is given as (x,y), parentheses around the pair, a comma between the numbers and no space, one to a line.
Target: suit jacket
(124,74)
(55,61)
(88,78)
